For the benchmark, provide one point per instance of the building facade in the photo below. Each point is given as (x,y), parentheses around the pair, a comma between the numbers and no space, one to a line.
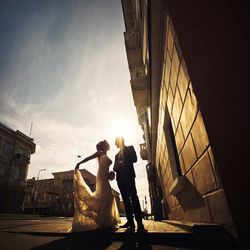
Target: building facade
(41,197)
(15,151)
(188,64)
(55,196)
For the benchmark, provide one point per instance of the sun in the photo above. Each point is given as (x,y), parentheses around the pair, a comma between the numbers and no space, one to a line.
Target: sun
(120,127)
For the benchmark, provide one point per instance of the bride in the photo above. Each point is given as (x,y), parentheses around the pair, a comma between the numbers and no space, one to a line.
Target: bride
(97,210)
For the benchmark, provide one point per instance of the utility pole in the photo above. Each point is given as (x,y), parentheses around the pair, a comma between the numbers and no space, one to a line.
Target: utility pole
(31,126)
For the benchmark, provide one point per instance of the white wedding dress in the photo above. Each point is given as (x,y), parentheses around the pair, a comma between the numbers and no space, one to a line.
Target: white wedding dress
(95,210)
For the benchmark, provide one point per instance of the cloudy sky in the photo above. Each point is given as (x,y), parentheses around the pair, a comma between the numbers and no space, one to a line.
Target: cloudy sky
(63,66)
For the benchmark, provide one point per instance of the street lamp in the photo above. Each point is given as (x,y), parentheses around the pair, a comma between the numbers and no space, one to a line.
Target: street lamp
(78,157)
(40,172)
(35,188)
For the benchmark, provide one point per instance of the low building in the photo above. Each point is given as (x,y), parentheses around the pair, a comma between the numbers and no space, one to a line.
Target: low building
(40,197)
(15,151)
(63,185)
(55,196)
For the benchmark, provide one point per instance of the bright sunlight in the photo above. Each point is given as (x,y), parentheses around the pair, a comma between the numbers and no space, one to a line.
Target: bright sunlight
(121,127)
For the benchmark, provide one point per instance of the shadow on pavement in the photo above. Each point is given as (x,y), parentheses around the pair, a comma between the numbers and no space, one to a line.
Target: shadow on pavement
(76,242)
(130,240)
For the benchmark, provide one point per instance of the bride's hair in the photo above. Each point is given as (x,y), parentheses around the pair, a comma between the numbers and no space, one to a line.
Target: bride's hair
(101,146)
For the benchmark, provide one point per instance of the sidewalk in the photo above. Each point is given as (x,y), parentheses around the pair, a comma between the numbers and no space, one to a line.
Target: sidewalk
(174,233)
(63,226)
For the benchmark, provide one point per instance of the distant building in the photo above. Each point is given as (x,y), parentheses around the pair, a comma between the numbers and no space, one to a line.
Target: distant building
(15,151)
(55,196)
(189,64)
(40,197)
(63,185)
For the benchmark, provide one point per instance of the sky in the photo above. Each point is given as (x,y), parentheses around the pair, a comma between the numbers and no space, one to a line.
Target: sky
(63,69)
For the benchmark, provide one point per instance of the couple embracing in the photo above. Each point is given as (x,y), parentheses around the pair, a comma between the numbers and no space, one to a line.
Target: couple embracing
(98,210)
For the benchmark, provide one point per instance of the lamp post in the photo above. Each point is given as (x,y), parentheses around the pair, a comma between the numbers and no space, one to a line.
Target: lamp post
(78,157)
(35,189)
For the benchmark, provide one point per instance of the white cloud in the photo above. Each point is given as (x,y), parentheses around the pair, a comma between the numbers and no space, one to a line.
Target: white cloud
(72,85)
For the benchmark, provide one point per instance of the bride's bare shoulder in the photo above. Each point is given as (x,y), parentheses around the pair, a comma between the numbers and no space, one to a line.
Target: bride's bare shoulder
(101,156)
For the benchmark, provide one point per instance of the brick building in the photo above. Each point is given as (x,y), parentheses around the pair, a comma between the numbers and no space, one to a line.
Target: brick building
(15,151)
(55,196)
(188,62)
(40,197)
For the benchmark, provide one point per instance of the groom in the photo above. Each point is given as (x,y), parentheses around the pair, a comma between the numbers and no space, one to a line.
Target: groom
(125,176)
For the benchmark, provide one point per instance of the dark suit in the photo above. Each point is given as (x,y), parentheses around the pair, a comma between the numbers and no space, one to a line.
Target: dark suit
(125,176)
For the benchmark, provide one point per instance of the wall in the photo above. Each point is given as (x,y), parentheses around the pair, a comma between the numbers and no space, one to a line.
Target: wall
(202,199)
(214,37)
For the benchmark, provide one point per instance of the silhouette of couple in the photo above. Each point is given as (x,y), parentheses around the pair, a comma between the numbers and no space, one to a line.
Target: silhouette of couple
(98,210)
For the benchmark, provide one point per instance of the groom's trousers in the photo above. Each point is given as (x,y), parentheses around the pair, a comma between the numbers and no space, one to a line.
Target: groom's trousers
(130,199)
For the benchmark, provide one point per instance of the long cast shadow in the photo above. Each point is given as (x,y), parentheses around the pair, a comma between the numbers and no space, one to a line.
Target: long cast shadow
(131,240)
(75,242)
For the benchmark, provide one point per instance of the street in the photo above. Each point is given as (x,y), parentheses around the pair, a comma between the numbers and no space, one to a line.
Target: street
(54,233)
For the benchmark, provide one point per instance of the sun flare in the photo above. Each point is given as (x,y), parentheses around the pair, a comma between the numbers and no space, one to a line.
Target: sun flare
(120,127)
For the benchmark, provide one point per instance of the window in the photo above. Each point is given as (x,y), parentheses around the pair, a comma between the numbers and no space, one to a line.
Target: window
(139,73)
(179,180)
(18,172)
(2,146)
(172,148)
(16,196)
(8,148)
(3,168)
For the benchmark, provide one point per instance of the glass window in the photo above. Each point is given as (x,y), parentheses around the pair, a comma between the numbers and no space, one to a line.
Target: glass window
(17,172)
(3,168)
(2,146)
(7,146)
(171,146)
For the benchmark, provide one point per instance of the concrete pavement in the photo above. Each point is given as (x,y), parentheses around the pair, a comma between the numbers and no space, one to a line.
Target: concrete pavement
(159,235)
(63,225)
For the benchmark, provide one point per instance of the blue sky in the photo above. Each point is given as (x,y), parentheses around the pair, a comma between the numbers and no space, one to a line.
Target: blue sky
(63,66)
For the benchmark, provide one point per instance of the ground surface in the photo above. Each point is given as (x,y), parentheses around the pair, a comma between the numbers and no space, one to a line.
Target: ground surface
(55,233)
